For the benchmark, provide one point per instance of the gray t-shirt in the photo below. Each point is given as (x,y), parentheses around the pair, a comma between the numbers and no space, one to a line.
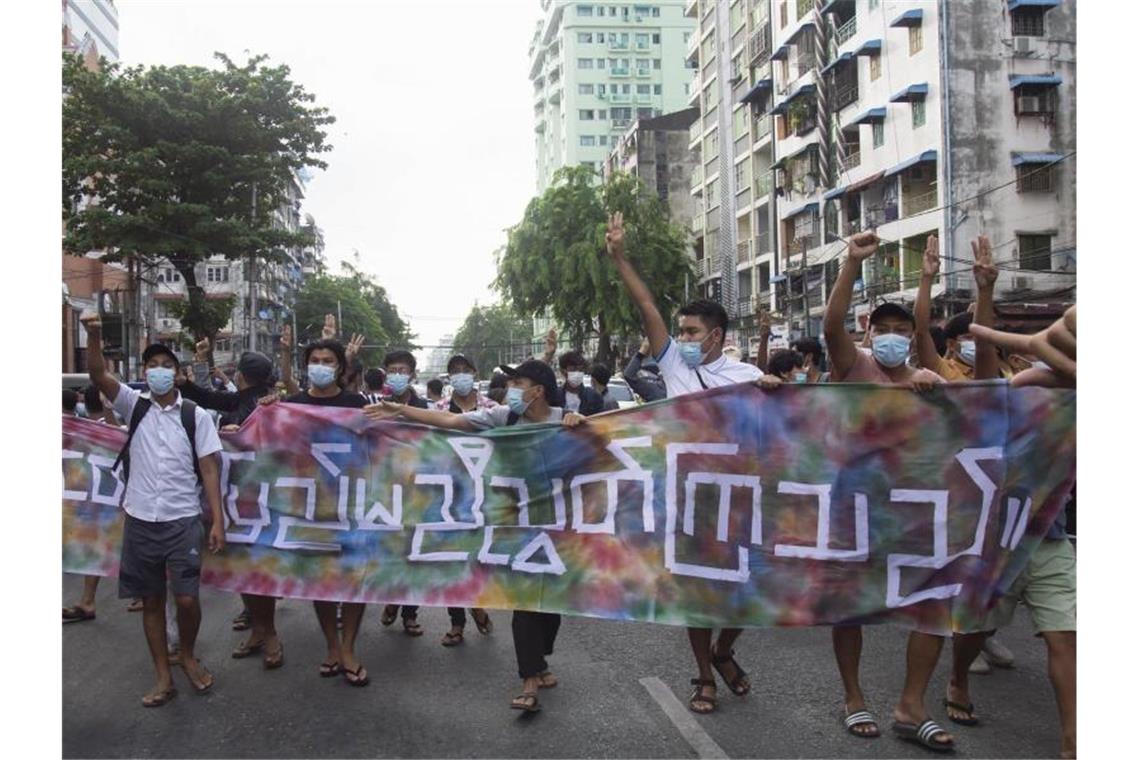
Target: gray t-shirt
(497,416)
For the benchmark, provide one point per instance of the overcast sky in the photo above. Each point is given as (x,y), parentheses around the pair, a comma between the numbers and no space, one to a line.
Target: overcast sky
(433,145)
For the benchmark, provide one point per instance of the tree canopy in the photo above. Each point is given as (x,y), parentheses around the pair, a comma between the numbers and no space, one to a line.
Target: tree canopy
(166,161)
(555,257)
(491,335)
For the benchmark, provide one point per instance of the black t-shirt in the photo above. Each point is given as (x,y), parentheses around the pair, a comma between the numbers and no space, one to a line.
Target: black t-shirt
(342,399)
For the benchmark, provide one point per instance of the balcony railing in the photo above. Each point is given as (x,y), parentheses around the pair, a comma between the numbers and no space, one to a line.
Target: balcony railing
(880,216)
(698,225)
(803,7)
(643,72)
(644,99)
(617,44)
(744,198)
(697,179)
(920,202)
(619,71)
(851,160)
(620,97)
(763,184)
(706,269)
(845,32)
(759,44)
(763,128)
(845,95)
(762,244)
(711,117)
(617,123)
(696,129)
(742,144)
(744,252)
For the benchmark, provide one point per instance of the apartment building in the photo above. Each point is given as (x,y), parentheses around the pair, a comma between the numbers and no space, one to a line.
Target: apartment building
(656,151)
(908,117)
(595,69)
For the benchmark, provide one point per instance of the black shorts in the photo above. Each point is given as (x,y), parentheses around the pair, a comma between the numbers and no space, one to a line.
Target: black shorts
(154,552)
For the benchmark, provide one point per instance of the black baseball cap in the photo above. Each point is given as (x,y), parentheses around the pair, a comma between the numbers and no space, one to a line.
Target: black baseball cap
(458,358)
(155,349)
(537,372)
(888,309)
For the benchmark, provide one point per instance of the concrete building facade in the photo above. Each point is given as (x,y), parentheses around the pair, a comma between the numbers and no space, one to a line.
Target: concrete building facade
(911,118)
(656,151)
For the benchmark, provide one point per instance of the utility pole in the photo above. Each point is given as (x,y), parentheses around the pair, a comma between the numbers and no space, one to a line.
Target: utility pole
(253,283)
(339,328)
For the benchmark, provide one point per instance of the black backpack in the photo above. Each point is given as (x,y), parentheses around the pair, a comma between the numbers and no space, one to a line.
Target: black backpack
(142,406)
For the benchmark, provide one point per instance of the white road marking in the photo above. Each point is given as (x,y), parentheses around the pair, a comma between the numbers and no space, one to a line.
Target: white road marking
(682,719)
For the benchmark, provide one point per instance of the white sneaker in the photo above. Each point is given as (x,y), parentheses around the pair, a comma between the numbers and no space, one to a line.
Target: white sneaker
(997,653)
(980,666)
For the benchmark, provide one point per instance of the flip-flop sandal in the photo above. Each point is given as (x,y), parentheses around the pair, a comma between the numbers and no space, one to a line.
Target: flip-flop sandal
(452,639)
(861,718)
(923,734)
(484,626)
(547,680)
(160,699)
(736,685)
(389,615)
(242,621)
(697,698)
(354,678)
(245,649)
(970,721)
(205,687)
(274,660)
(527,701)
(329,670)
(412,628)
(136,605)
(76,614)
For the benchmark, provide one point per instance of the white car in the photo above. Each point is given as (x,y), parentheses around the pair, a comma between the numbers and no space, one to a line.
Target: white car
(621,391)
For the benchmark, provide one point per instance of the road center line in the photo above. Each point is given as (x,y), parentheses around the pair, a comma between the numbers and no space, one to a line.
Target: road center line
(682,719)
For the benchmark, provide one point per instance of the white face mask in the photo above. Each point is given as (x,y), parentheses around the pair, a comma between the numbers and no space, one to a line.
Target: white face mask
(574,379)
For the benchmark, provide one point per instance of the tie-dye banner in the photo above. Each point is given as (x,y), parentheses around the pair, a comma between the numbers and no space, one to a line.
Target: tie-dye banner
(811,505)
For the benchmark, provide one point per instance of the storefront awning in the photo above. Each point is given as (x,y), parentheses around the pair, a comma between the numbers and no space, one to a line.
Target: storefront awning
(921,158)
(1036,158)
(912,93)
(910,18)
(1047,80)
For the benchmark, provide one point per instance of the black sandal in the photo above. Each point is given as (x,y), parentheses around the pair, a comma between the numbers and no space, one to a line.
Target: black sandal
(698,698)
(389,615)
(923,734)
(412,628)
(242,621)
(354,678)
(972,720)
(735,685)
(329,670)
(527,701)
(451,639)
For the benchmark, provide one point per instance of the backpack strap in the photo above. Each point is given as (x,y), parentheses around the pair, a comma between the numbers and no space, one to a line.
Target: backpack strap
(512,418)
(142,406)
(191,424)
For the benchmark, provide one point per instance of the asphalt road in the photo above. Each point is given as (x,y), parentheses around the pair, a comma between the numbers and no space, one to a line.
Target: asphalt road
(428,701)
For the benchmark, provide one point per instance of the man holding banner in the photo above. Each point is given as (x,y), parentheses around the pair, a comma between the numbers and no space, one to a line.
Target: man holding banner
(171,447)
(690,364)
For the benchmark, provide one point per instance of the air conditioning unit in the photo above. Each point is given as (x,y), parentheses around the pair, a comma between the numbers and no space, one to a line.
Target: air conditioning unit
(1021,283)
(1022,45)
(1029,104)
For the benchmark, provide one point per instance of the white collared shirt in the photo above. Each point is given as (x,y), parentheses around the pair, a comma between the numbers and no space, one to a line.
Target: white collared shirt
(680,378)
(163,486)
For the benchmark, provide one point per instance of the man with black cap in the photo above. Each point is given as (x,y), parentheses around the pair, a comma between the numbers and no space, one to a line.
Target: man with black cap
(531,393)
(892,328)
(254,380)
(171,452)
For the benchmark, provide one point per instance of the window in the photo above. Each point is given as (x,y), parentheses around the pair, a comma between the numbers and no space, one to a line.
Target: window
(585,89)
(1035,178)
(217,274)
(1038,101)
(172,275)
(656,89)
(657,39)
(601,113)
(603,139)
(1035,252)
(642,41)
(642,63)
(738,176)
(643,89)
(615,63)
(602,63)
(783,13)
(872,4)
(805,226)
(876,66)
(585,10)
(585,114)
(1028,22)
(657,63)
(624,89)
(918,112)
(645,113)
(587,141)
(585,63)
(915,39)
(877,134)
(585,37)
(655,12)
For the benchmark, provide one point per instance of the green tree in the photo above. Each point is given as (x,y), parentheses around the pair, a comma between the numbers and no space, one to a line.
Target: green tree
(491,335)
(185,162)
(555,257)
(320,295)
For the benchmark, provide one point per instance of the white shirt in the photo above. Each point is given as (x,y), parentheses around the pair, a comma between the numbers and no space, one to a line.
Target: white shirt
(573,402)
(497,416)
(163,486)
(680,378)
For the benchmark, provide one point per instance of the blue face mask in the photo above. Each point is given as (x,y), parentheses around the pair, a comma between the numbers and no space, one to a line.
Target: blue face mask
(160,380)
(398,383)
(462,383)
(801,377)
(515,401)
(968,352)
(321,375)
(890,350)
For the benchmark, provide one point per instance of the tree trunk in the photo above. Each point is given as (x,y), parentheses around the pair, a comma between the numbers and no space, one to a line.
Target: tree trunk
(196,319)
(605,351)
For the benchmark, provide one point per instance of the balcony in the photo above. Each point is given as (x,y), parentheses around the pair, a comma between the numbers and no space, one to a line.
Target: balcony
(742,145)
(845,94)
(620,97)
(762,128)
(641,47)
(696,129)
(711,117)
(759,44)
(763,185)
(744,252)
(879,216)
(619,123)
(619,45)
(851,160)
(619,71)
(762,244)
(643,73)
(706,269)
(845,32)
(697,179)
(744,198)
(698,225)
(804,7)
(644,99)
(919,202)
